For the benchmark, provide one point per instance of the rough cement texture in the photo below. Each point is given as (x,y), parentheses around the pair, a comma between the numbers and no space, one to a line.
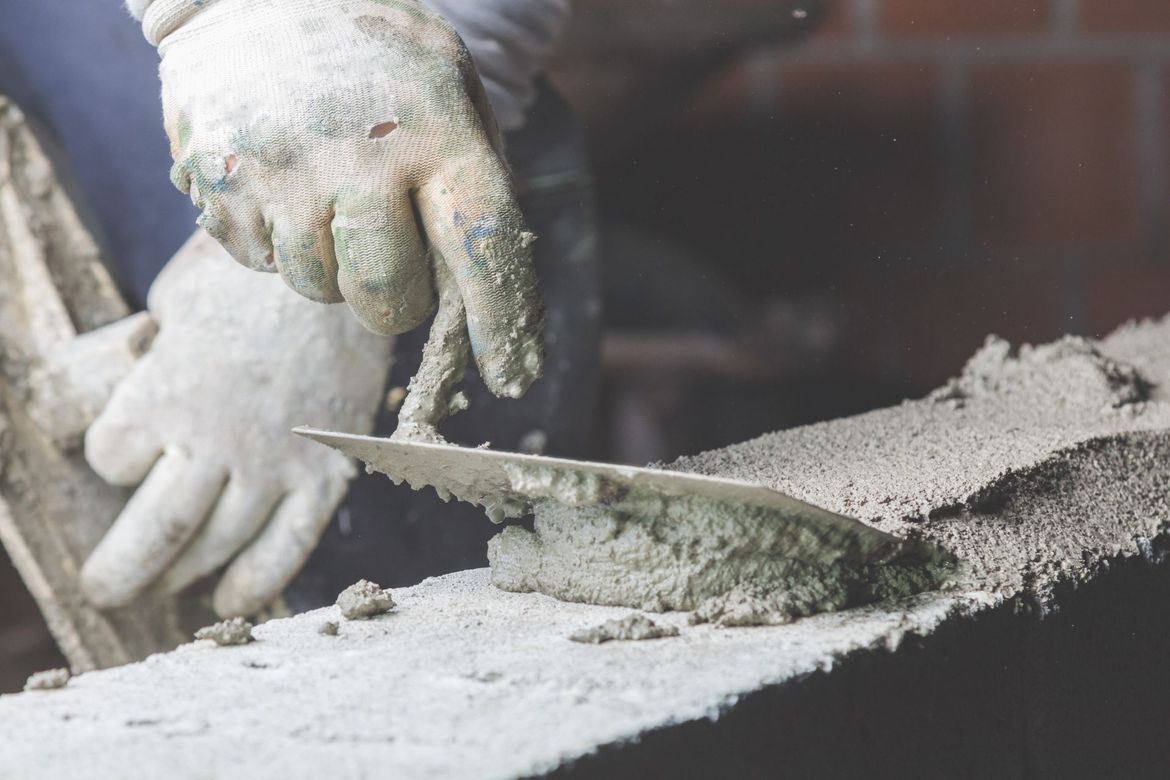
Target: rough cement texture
(634,628)
(364,600)
(431,397)
(227,633)
(462,680)
(1034,468)
(1030,468)
(48,680)
(736,551)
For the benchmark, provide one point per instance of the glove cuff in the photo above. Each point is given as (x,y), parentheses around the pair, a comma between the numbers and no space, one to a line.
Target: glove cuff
(163,17)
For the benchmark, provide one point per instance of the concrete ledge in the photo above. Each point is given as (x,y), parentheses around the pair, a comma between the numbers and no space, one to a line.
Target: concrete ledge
(462,680)
(1079,692)
(1044,472)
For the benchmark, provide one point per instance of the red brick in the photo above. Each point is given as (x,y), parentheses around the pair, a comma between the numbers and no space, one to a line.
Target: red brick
(971,17)
(1055,154)
(1125,16)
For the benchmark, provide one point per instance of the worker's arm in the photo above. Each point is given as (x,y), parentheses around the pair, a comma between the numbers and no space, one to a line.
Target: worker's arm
(334,141)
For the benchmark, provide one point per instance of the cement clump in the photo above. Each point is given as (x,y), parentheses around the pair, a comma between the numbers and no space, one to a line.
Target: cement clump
(364,600)
(48,680)
(236,631)
(1021,469)
(631,628)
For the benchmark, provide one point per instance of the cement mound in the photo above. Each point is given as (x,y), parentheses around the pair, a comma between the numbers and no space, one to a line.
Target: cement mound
(1027,465)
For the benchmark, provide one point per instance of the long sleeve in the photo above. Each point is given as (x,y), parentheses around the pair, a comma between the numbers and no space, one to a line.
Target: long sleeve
(510,41)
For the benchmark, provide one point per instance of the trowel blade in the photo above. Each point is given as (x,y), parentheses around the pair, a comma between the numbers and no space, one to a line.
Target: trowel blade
(507,484)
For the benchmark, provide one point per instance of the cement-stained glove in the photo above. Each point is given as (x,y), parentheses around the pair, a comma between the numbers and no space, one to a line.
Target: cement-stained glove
(202,427)
(332,141)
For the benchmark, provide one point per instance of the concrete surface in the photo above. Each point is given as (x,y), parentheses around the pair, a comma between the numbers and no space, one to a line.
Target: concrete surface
(1042,471)
(462,680)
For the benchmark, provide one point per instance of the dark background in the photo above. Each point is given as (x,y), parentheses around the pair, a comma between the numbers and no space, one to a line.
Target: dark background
(812,209)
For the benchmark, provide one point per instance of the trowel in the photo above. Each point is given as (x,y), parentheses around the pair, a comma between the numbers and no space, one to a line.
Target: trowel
(512,485)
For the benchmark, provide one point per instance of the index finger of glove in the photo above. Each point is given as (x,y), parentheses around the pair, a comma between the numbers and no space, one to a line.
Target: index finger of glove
(472,217)
(161,516)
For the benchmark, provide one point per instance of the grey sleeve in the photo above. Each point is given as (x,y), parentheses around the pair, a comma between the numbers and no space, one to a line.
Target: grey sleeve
(511,42)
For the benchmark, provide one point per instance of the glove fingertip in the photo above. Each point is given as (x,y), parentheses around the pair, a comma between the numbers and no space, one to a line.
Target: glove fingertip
(100,583)
(118,454)
(230,601)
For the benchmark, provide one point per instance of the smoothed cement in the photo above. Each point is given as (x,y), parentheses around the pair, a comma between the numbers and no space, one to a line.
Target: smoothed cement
(1029,468)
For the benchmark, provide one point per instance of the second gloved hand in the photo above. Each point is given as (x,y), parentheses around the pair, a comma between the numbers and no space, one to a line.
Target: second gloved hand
(333,141)
(202,428)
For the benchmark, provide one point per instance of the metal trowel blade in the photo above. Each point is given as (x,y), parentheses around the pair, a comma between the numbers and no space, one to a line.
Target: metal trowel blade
(508,484)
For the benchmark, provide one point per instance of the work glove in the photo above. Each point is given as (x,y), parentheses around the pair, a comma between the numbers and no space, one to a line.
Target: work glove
(333,141)
(202,426)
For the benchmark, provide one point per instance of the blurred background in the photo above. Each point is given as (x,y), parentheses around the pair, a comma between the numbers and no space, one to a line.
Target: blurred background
(832,210)
(812,209)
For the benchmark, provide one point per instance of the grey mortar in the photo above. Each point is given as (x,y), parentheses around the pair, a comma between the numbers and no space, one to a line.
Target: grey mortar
(364,600)
(235,631)
(472,682)
(1028,468)
(634,628)
(48,680)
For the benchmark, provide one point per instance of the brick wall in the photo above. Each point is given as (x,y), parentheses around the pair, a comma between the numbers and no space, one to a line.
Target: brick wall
(945,169)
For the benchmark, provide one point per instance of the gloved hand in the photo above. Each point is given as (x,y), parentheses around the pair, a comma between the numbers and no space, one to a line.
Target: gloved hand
(203,423)
(332,140)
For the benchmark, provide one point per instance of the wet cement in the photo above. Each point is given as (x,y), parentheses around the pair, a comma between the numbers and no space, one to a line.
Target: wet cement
(1029,468)
(48,680)
(363,600)
(633,628)
(1042,471)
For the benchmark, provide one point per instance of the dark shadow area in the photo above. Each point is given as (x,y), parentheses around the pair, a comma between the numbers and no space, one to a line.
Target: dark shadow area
(1082,692)
(25,643)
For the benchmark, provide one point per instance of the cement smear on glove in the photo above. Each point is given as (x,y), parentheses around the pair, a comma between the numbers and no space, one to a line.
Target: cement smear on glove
(364,600)
(48,680)
(631,628)
(236,631)
(1025,468)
